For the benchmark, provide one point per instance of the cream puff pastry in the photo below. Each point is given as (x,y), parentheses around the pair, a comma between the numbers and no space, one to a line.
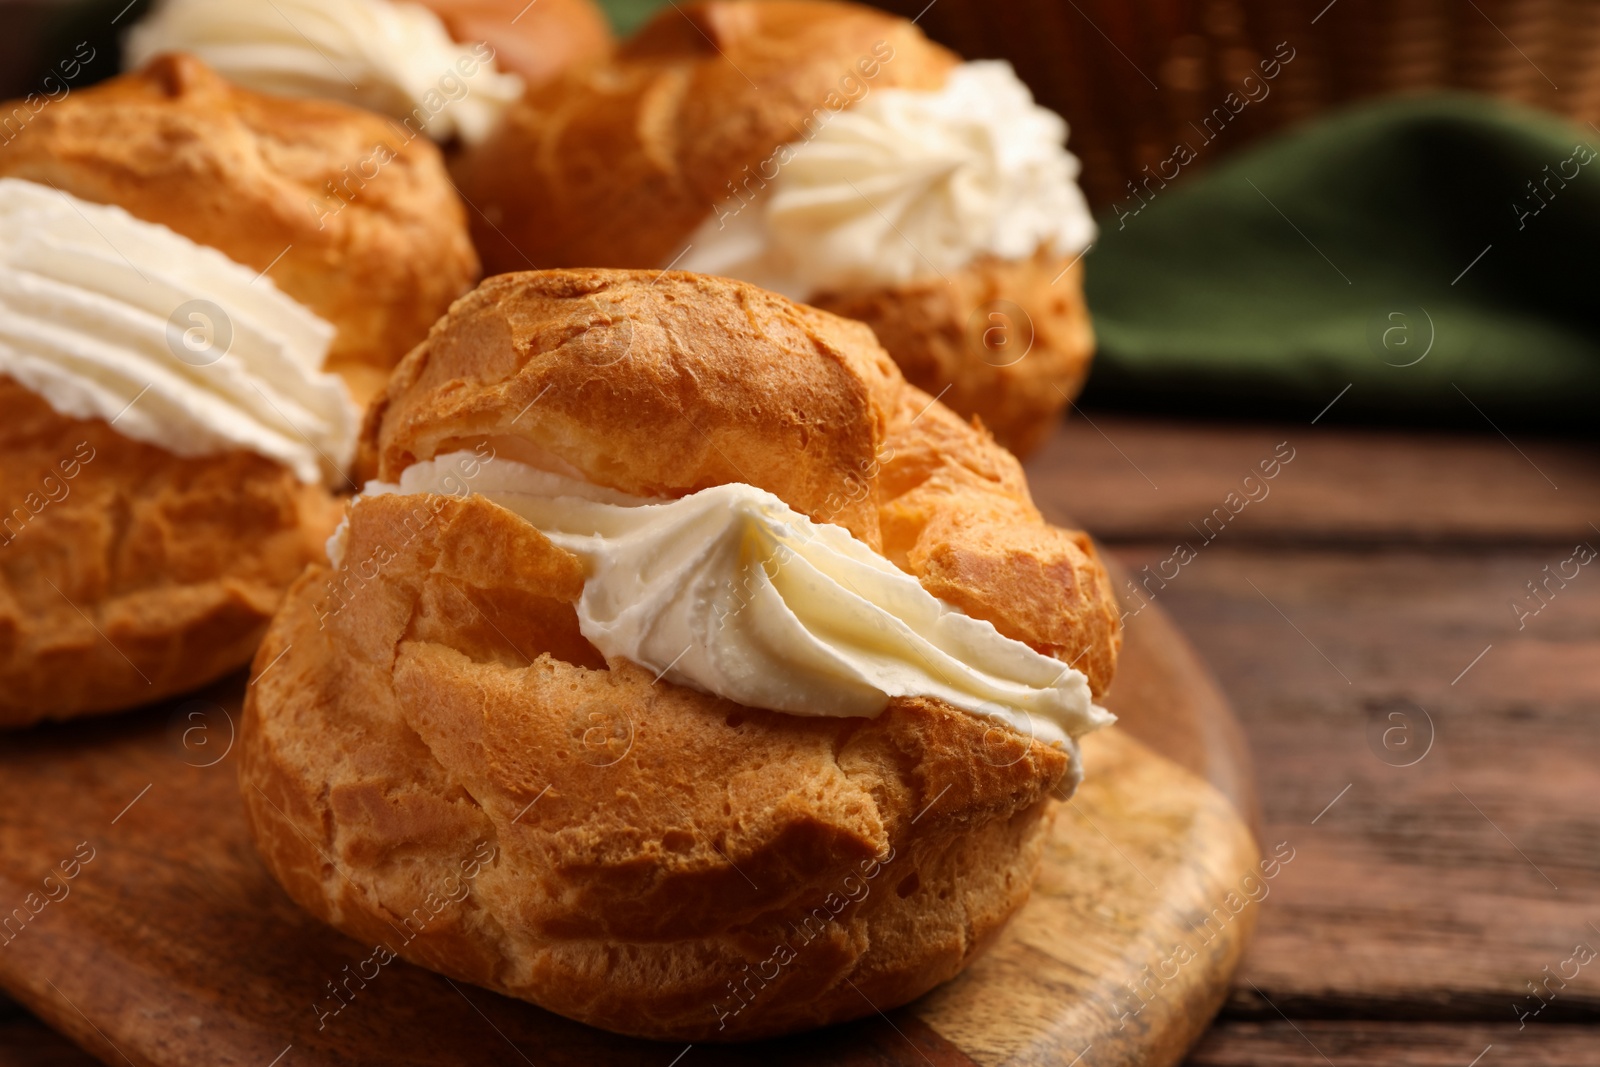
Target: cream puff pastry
(337,206)
(685,672)
(829,152)
(170,437)
(444,67)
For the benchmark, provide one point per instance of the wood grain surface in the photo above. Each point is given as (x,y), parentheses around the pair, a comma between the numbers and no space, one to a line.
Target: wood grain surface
(1142,480)
(169,945)
(1408,926)
(1354,602)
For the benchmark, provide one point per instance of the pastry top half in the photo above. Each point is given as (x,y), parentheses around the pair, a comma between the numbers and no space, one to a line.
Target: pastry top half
(508,805)
(630,157)
(661,385)
(345,213)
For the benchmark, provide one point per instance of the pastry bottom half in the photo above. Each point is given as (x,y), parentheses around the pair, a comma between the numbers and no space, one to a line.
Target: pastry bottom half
(437,763)
(129,574)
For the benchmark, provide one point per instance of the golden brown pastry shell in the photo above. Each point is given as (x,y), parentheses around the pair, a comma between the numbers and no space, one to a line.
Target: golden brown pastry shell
(344,211)
(617,165)
(639,850)
(129,574)
(1008,341)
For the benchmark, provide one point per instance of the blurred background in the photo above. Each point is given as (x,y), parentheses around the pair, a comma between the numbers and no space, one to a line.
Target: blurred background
(1294,196)
(1129,75)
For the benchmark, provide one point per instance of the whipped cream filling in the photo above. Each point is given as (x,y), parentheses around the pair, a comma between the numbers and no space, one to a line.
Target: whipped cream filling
(396,58)
(171,342)
(901,186)
(731,592)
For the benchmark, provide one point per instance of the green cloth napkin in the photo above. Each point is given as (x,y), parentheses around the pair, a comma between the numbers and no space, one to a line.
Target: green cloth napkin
(1431,253)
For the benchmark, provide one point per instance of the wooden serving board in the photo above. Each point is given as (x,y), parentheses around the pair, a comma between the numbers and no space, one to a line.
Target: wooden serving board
(169,945)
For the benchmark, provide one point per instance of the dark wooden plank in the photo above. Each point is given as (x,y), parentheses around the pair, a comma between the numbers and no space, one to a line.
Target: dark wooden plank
(1135,479)
(1280,1044)
(1427,890)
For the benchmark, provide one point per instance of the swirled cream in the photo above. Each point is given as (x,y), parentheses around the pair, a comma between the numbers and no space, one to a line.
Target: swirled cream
(901,186)
(388,56)
(171,342)
(732,592)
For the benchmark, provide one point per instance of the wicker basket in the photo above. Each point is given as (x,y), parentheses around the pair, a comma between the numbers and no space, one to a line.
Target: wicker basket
(1136,78)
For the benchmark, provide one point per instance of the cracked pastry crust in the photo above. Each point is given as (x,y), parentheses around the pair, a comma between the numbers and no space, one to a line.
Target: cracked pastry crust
(435,760)
(617,164)
(961,337)
(129,574)
(347,215)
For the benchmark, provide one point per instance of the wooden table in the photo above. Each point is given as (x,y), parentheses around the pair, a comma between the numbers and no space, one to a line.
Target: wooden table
(1435,768)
